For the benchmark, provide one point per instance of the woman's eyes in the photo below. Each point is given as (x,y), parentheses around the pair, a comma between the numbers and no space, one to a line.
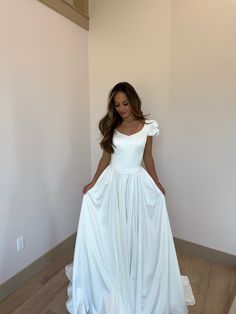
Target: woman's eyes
(125,104)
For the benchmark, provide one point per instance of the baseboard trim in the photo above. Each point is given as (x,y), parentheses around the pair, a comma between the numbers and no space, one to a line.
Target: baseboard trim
(205,253)
(34,268)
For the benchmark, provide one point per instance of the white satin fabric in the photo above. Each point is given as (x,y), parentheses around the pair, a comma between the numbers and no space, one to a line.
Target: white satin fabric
(125,260)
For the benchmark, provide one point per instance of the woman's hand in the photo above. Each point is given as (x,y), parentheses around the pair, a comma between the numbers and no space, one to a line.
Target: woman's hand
(88,187)
(161,188)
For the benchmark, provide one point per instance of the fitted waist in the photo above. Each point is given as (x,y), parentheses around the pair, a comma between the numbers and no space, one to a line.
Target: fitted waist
(125,170)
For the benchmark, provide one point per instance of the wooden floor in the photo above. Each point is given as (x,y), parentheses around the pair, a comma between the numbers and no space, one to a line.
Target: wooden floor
(214,287)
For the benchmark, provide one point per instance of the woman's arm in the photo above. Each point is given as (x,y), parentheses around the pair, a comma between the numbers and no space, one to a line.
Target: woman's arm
(150,165)
(103,163)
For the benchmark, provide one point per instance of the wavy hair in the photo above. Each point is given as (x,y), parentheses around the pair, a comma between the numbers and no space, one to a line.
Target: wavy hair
(112,118)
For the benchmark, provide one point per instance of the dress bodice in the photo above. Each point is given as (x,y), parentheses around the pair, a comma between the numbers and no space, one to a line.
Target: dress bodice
(129,149)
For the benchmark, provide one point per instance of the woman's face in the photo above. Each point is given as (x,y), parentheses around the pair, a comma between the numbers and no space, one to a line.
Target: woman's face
(122,105)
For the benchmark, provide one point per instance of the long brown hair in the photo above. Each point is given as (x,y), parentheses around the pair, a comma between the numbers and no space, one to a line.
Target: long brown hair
(112,118)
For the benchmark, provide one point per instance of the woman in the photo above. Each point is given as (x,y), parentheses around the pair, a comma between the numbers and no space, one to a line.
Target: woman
(125,260)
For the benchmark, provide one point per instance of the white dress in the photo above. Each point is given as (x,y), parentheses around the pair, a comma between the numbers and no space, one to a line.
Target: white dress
(125,260)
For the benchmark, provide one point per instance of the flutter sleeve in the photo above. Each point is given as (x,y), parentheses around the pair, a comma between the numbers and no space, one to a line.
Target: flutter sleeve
(153,128)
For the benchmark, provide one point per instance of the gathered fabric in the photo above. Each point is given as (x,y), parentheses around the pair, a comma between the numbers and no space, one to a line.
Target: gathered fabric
(125,260)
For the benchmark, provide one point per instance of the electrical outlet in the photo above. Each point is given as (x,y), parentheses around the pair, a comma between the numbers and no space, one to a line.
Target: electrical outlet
(20,243)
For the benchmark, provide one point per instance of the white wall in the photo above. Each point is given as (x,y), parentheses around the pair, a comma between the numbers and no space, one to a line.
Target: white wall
(201,150)
(44,130)
(180,56)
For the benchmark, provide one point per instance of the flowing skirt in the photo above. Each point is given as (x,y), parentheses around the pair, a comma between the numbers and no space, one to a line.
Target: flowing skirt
(125,260)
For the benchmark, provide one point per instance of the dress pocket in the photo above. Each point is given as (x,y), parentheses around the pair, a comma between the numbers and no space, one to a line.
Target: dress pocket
(150,184)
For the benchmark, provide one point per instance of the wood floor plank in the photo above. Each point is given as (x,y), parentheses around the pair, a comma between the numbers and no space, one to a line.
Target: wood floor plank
(44,295)
(17,298)
(57,305)
(184,261)
(219,295)
(199,273)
